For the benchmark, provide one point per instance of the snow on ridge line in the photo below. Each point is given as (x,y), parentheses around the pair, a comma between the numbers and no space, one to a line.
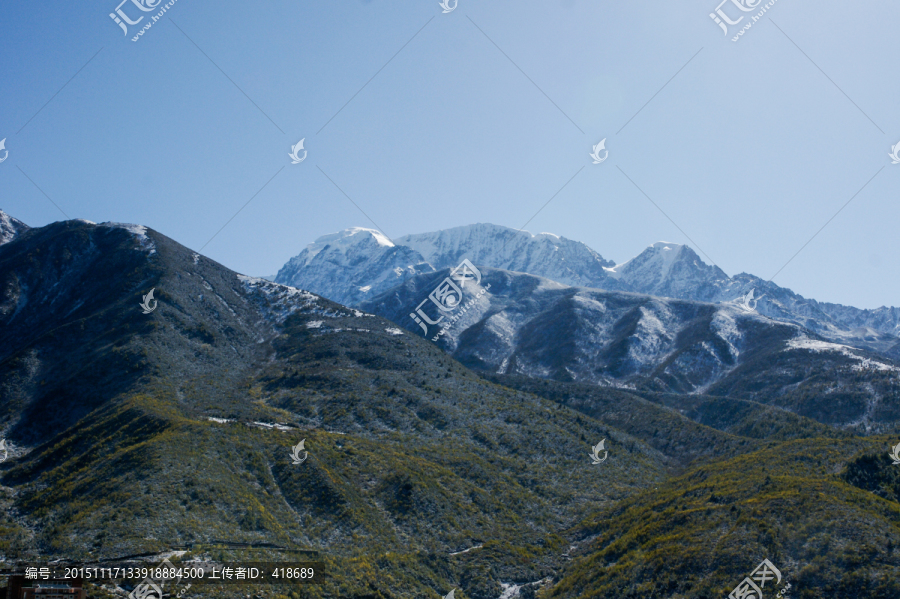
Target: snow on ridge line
(267,425)
(283,298)
(136,230)
(804,342)
(139,231)
(659,246)
(814,345)
(270,287)
(270,425)
(9,229)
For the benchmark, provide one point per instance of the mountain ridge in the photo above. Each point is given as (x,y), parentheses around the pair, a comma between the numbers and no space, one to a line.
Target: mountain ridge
(10,227)
(520,324)
(663,269)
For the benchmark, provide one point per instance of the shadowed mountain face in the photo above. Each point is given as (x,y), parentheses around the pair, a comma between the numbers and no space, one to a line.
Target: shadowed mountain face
(521,324)
(73,334)
(132,432)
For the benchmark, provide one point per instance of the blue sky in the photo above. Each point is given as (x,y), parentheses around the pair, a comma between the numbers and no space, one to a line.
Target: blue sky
(483,116)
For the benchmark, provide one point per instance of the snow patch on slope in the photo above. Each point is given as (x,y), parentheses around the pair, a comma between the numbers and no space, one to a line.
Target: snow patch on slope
(727,329)
(818,346)
(280,301)
(652,336)
(139,232)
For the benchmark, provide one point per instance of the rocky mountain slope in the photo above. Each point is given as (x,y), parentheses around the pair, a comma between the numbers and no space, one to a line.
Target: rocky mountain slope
(357,265)
(10,228)
(514,323)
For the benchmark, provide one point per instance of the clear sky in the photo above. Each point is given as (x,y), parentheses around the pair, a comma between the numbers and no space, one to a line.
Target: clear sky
(482,114)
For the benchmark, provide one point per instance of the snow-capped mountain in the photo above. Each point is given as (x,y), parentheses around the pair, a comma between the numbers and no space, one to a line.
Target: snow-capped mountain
(544,255)
(672,270)
(676,271)
(519,324)
(357,265)
(10,228)
(352,265)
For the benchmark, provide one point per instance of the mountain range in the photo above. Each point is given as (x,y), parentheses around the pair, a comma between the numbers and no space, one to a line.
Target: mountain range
(147,426)
(358,264)
(662,322)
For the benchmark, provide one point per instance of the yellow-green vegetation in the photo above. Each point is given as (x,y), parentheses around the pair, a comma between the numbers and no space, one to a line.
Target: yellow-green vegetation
(699,534)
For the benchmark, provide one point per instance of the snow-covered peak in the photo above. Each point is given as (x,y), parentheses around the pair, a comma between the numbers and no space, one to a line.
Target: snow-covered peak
(545,254)
(10,228)
(355,235)
(352,265)
(344,240)
(669,269)
(447,247)
(659,258)
(357,264)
